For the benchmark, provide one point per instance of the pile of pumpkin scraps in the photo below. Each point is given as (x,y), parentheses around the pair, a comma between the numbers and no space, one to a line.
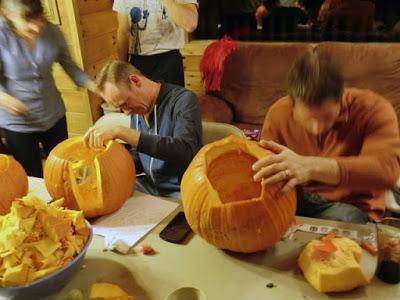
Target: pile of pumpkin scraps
(37,239)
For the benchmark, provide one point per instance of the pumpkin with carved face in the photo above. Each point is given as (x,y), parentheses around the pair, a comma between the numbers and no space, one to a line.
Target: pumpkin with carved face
(96,181)
(13,182)
(224,205)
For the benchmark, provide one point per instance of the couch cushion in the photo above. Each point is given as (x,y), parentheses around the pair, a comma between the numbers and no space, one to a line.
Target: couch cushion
(255,77)
(371,66)
(214,109)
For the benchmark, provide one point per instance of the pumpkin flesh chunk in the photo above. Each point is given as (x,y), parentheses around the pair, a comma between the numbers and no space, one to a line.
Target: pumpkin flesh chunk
(338,271)
(231,176)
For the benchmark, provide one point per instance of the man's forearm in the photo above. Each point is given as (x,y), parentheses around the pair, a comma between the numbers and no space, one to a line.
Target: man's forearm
(128,135)
(184,15)
(91,86)
(324,170)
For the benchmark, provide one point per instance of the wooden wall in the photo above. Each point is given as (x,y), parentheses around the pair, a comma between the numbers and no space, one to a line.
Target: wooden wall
(90,29)
(192,54)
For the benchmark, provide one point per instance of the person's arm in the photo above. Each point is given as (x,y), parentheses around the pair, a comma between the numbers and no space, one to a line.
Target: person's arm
(123,37)
(8,102)
(184,15)
(79,77)
(286,165)
(97,137)
(181,147)
(260,13)
(186,139)
(378,165)
(12,104)
(271,126)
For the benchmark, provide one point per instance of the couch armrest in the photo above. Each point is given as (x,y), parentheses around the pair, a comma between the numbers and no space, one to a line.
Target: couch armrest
(214,109)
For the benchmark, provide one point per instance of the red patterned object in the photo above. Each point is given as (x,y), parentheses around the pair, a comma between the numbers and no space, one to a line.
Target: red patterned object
(212,63)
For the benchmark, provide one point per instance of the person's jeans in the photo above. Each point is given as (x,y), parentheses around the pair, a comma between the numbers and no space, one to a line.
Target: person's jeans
(144,185)
(166,67)
(313,206)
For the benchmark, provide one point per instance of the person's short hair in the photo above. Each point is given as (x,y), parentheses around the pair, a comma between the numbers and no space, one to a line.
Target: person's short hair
(314,78)
(116,72)
(28,8)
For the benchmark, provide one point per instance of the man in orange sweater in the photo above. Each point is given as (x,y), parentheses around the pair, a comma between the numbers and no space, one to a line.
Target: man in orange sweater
(339,146)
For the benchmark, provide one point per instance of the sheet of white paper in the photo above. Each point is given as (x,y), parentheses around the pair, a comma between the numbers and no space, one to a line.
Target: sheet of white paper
(38,188)
(134,219)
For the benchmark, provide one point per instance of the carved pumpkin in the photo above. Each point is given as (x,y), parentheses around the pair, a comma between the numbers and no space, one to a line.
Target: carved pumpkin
(224,205)
(96,181)
(13,182)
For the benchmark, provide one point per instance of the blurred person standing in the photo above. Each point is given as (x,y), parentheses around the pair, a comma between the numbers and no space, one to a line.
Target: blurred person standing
(31,107)
(151,33)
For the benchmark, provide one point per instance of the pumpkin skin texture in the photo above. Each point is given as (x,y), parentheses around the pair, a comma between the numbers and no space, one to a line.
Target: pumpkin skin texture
(224,205)
(13,182)
(339,271)
(96,181)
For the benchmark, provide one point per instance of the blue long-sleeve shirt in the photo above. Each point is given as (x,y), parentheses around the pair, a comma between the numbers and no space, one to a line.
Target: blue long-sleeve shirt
(172,139)
(26,74)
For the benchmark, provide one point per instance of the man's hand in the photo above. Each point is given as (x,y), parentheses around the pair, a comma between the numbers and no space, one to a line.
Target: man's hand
(284,165)
(97,137)
(184,15)
(13,105)
(260,13)
(295,169)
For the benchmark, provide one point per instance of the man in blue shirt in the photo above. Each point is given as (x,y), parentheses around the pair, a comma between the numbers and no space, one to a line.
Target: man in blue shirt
(165,131)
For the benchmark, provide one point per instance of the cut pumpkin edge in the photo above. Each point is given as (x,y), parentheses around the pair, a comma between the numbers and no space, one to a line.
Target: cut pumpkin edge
(77,190)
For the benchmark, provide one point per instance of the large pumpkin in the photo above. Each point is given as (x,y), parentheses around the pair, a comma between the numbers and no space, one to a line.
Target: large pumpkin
(13,182)
(224,205)
(96,181)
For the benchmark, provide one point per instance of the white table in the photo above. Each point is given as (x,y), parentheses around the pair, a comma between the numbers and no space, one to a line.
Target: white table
(219,274)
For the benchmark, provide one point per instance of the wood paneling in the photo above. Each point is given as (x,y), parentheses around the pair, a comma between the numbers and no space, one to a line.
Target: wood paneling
(90,28)
(78,102)
(100,47)
(193,82)
(87,7)
(192,54)
(98,23)
(77,121)
(94,68)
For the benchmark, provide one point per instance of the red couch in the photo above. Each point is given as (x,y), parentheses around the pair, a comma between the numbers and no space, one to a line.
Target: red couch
(255,77)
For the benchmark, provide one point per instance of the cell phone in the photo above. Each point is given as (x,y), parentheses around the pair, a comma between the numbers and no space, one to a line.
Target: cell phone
(176,230)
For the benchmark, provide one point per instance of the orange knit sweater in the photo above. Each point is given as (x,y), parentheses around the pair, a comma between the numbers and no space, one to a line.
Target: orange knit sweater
(364,141)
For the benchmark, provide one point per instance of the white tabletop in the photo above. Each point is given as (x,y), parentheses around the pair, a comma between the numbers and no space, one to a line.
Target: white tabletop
(219,274)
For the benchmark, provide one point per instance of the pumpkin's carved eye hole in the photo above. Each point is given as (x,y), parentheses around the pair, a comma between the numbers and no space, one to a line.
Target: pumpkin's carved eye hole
(82,175)
(81,170)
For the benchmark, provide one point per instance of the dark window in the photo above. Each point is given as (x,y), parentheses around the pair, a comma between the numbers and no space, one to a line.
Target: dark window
(300,20)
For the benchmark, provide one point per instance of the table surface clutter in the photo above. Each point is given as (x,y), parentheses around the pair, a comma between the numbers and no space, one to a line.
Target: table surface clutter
(218,274)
